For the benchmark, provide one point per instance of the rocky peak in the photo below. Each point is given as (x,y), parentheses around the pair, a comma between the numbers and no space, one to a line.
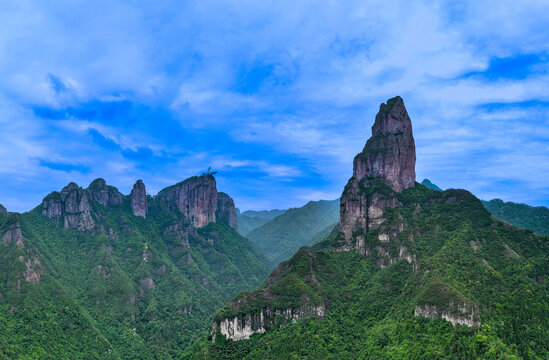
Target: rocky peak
(138,198)
(390,154)
(226,211)
(3,210)
(104,194)
(70,206)
(387,158)
(195,198)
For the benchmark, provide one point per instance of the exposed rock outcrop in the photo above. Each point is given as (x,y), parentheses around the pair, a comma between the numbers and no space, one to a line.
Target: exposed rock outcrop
(243,326)
(463,314)
(138,199)
(3,210)
(104,194)
(34,269)
(226,211)
(390,154)
(385,166)
(195,198)
(71,206)
(181,233)
(14,235)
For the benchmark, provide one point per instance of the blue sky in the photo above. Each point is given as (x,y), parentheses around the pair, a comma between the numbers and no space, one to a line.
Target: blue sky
(278,96)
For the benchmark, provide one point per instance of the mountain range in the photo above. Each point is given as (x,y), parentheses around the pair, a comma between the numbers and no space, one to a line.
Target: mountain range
(91,273)
(394,269)
(410,273)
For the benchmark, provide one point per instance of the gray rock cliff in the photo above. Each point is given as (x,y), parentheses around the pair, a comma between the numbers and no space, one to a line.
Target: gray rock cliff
(138,199)
(388,157)
(71,207)
(195,198)
(104,194)
(226,211)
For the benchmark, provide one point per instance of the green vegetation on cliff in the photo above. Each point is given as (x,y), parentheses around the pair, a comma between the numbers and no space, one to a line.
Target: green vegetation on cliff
(520,215)
(462,264)
(131,288)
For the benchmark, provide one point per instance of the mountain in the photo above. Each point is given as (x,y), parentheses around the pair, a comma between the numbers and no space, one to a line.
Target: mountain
(251,219)
(412,273)
(281,237)
(520,215)
(264,214)
(95,274)
(523,216)
(429,185)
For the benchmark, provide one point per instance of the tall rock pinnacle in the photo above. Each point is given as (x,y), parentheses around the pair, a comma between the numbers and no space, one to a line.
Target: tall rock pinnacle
(138,199)
(389,155)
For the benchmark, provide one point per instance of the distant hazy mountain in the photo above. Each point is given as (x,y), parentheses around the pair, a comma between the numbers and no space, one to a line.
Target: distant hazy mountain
(264,214)
(430,185)
(250,219)
(281,237)
(520,215)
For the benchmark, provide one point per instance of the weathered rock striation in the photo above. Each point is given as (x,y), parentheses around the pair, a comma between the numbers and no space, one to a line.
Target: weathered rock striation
(388,156)
(33,266)
(14,235)
(138,199)
(104,194)
(195,198)
(71,206)
(463,314)
(243,326)
(226,211)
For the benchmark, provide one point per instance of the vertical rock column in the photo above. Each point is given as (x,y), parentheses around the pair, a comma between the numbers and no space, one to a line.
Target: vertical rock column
(389,155)
(138,198)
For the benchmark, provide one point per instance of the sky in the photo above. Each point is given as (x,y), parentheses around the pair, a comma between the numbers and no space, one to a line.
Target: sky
(277,96)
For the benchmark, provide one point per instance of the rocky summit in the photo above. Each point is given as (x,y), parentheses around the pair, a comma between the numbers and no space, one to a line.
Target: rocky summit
(138,198)
(410,273)
(388,156)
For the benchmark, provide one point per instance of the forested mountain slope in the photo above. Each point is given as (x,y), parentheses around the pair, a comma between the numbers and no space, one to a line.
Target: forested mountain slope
(281,237)
(251,219)
(413,273)
(94,274)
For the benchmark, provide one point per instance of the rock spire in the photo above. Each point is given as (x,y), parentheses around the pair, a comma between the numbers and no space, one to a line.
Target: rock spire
(138,199)
(389,155)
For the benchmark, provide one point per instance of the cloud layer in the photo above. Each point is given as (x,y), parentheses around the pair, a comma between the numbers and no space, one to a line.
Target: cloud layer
(277,96)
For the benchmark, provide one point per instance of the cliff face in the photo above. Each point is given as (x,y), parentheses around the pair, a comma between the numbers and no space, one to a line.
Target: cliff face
(199,202)
(3,210)
(226,211)
(243,326)
(104,194)
(388,156)
(195,198)
(71,206)
(138,199)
